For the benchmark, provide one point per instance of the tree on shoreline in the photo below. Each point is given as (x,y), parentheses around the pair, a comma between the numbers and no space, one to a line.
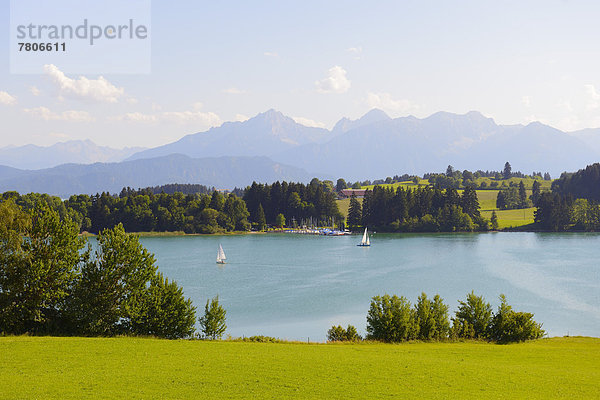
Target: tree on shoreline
(354,212)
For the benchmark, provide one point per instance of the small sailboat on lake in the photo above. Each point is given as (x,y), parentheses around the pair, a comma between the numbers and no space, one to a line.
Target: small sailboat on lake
(365,239)
(221,255)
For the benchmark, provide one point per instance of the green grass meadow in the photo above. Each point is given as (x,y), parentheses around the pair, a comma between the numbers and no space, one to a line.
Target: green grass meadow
(141,368)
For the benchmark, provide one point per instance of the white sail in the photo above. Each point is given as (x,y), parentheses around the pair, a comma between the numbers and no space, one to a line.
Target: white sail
(365,239)
(221,255)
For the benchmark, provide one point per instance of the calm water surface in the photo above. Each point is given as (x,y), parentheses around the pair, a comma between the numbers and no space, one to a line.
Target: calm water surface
(296,286)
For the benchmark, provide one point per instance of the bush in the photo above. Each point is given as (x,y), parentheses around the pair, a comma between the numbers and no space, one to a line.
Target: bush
(163,311)
(391,319)
(473,318)
(510,326)
(261,339)
(339,334)
(432,318)
(213,321)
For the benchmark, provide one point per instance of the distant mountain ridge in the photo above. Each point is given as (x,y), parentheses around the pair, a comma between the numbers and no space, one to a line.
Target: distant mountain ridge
(220,172)
(376,146)
(267,133)
(272,146)
(75,151)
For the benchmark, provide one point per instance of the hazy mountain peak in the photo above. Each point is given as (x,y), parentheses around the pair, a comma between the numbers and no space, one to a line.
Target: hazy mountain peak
(271,115)
(267,133)
(373,116)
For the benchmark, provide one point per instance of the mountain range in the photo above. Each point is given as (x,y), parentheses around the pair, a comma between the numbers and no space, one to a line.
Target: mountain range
(75,151)
(272,146)
(220,172)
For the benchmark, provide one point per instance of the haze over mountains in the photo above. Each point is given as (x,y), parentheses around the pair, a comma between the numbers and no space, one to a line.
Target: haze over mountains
(272,146)
(266,134)
(220,172)
(376,146)
(75,151)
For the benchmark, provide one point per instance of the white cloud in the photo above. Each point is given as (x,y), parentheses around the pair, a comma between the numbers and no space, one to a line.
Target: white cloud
(205,118)
(34,91)
(530,118)
(241,117)
(7,99)
(234,90)
(385,102)
(180,117)
(138,117)
(89,89)
(526,101)
(48,115)
(336,81)
(271,54)
(356,51)
(594,97)
(308,122)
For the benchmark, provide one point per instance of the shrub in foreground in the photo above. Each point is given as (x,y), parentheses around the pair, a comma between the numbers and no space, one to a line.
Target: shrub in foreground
(391,319)
(213,321)
(339,334)
(510,326)
(472,319)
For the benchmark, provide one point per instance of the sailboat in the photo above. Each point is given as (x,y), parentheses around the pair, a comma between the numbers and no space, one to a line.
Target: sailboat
(365,239)
(221,255)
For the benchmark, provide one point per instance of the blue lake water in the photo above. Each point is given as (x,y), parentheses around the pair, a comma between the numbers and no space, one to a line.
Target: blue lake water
(297,287)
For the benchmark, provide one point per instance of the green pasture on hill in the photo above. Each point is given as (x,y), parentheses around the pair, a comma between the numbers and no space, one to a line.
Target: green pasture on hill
(140,368)
(487,203)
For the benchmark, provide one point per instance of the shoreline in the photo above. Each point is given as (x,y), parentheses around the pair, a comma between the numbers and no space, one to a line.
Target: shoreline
(240,233)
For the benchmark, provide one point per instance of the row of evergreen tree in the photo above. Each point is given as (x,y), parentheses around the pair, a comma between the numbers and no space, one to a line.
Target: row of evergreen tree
(315,202)
(421,209)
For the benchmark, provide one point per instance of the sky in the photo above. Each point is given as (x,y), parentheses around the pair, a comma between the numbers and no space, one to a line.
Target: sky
(316,61)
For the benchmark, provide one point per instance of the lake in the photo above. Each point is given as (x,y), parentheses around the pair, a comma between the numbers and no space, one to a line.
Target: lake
(297,286)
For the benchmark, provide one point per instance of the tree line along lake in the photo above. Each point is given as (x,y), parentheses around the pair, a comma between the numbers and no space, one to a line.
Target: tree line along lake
(297,286)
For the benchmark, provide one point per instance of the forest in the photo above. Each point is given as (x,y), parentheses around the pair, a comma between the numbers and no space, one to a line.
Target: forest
(573,202)
(144,210)
(424,209)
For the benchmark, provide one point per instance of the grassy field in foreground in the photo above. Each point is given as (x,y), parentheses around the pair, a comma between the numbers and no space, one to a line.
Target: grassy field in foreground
(68,368)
